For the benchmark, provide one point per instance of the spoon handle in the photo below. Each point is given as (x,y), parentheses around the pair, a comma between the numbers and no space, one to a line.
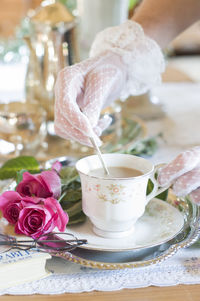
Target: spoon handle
(99,155)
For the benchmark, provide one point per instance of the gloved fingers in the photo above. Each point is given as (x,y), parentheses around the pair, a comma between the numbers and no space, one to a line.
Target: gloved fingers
(66,131)
(182,164)
(98,86)
(69,86)
(103,123)
(195,196)
(80,93)
(187,183)
(87,65)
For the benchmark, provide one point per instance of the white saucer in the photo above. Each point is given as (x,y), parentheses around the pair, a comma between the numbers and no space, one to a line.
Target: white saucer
(160,223)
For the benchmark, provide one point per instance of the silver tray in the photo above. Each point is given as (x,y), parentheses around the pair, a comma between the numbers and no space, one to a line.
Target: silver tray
(148,256)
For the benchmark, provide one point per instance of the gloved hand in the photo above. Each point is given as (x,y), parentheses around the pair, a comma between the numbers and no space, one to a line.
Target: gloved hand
(82,91)
(123,62)
(184,173)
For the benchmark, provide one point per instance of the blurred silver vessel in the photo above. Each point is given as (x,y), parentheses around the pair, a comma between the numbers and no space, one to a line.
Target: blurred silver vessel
(96,15)
(52,46)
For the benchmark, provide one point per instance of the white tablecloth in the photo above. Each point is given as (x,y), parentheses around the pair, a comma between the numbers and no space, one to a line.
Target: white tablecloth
(180,127)
(180,130)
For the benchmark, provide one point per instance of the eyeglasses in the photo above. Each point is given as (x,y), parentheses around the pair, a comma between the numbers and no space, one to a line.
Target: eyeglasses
(50,242)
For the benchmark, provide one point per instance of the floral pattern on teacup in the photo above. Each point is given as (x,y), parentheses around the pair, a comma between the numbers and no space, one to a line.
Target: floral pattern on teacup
(115,189)
(97,187)
(114,195)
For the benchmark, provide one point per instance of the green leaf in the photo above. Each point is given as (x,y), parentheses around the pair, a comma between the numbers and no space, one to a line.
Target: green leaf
(162,196)
(149,187)
(145,147)
(75,185)
(78,218)
(70,196)
(12,166)
(68,175)
(75,209)
(19,176)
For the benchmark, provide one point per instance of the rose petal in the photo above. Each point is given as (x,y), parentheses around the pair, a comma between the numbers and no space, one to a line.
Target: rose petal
(7,197)
(44,185)
(52,182)
(32,185)
(62,218)
(37,219)
(11,212)
(57,166)
(10,204)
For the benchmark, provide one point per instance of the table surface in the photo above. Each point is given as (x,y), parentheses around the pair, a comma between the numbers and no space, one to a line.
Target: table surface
(175,293)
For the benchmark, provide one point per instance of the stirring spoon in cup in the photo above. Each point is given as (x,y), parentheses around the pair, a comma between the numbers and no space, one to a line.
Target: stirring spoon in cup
(94,144)
(106,171)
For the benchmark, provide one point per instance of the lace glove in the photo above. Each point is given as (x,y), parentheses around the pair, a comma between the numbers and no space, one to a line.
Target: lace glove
(123,62)
(184,173)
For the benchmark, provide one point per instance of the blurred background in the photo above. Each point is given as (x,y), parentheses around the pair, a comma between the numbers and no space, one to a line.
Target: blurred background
(38,38)
(17,24)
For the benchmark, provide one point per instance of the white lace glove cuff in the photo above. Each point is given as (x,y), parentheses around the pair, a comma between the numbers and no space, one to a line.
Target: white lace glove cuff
(141,55)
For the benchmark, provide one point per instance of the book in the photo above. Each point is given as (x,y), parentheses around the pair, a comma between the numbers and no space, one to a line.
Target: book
(18,267)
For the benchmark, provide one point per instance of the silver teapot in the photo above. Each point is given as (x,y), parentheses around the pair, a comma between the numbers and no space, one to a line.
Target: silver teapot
(52,46)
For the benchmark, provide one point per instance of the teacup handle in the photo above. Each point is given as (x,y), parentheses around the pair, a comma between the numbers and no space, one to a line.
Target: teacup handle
(156,190)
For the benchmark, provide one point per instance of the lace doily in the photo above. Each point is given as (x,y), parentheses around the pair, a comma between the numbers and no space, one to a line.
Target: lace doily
(67,277)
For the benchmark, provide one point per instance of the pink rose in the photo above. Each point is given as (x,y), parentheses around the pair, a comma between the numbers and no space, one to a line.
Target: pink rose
(57,166)
(43,185)
(37,219)
(10,204)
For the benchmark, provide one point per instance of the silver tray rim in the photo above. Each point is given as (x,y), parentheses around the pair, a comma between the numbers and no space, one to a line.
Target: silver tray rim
(185,238)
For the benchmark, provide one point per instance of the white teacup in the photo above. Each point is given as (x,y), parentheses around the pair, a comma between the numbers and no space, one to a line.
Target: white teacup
(113,205)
